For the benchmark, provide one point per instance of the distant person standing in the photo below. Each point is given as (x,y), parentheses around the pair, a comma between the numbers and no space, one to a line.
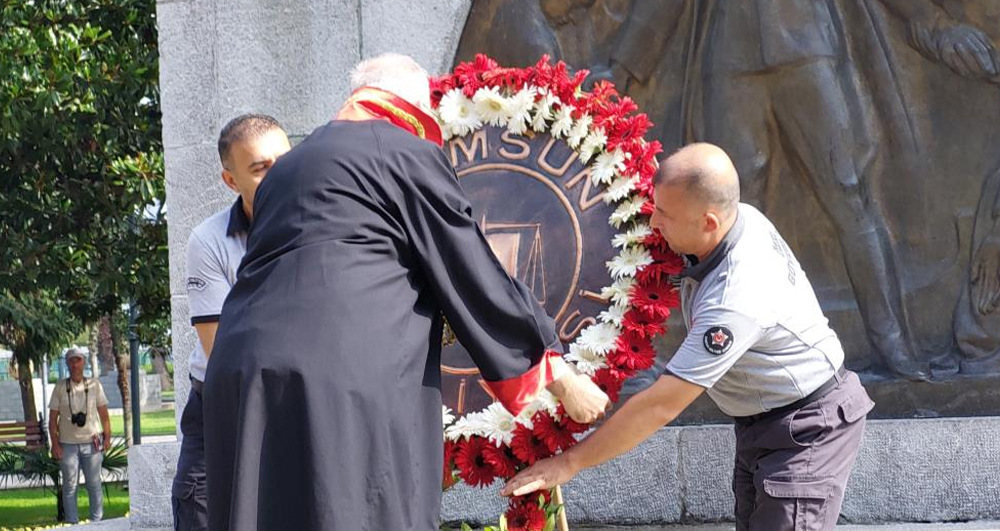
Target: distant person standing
(80,432)
(248,146)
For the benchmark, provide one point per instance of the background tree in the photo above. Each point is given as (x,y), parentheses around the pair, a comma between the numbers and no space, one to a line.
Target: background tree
(81,165)
(33,325)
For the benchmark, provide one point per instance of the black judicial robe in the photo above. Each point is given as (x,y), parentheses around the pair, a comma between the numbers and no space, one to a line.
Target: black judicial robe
(322,397)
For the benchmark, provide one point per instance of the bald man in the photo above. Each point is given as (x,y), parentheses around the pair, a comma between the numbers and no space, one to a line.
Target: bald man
(757,343)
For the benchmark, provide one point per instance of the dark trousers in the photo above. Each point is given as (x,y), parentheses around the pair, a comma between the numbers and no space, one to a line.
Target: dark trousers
(189,497)
(792,467)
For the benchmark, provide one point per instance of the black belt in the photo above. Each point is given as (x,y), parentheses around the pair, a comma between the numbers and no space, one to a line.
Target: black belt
(819,393)
(197,385)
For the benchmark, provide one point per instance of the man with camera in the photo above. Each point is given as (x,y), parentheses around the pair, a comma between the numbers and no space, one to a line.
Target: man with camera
(80,432)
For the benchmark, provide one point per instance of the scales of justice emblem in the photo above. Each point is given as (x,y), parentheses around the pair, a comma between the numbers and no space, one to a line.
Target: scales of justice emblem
(547,225)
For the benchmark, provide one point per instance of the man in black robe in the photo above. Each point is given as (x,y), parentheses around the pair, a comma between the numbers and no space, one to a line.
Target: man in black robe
(322,397)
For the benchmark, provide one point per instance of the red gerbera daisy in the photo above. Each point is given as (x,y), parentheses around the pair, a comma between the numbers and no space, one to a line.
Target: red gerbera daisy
(449,479)
(555,436)
(610,381)
(655,299)
(643,324)
(526,516)
(502,459)
(472,465)
(527,446)
(568,423)
(633,352)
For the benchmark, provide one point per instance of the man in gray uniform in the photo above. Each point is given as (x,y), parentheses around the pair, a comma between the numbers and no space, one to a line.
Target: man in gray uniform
(248,146)
(757,342)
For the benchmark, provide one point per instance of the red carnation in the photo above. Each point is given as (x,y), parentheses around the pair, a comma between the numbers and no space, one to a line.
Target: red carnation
(645,186)
(472,465)
(655,299)
(471,74)
(643,161)
(525,516)
(555,436)
(541,73)
(502,459)
(633,352)
(643,324)
(647,208)
(527,446)
(610,381)
(440,86)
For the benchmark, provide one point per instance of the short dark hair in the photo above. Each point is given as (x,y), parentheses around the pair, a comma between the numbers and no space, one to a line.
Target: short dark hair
(242,128)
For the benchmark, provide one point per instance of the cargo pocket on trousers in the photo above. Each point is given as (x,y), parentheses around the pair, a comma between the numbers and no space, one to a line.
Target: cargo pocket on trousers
(808,497)
(854,407)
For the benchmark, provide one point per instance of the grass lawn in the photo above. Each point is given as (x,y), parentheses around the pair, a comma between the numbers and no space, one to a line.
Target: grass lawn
(22,509)
(151,423)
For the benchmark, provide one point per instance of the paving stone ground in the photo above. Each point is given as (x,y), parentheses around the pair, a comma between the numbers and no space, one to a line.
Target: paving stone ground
(122,524)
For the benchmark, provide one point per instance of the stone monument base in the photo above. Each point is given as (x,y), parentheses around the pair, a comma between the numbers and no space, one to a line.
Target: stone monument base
(925,470)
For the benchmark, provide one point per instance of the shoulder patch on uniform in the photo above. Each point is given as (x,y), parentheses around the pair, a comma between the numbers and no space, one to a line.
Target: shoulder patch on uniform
(196,284)
(718,340)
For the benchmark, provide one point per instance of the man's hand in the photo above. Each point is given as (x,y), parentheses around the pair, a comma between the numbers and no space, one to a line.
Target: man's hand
(582,398)
(57,452)
(107,442)
(543,475)
(986,277)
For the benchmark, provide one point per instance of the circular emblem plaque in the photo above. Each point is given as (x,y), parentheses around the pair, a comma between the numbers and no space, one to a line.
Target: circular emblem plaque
(548,226)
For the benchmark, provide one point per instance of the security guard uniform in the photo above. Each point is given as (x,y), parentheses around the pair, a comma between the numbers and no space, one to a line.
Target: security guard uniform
(759,343)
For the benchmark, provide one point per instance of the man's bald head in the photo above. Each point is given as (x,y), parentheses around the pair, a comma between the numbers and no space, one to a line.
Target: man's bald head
(707,175)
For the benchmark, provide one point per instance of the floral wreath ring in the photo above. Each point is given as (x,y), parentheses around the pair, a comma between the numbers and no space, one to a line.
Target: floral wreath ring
(608,134)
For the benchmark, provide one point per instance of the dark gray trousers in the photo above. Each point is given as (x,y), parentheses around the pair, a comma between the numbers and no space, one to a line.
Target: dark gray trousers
(189,497)
(792,467)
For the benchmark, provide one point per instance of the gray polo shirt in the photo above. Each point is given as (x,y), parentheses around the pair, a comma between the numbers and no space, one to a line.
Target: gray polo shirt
(757,338)
(214,252)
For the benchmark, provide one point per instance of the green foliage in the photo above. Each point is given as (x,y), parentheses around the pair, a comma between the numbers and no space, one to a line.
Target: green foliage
(38,467)
(81,163)
(32,324)
(34,508)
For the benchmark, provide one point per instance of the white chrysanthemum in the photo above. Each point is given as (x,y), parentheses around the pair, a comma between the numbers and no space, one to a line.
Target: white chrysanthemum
(446,416)
(519,109)
(458,113)
(633,236)
(607,165)
(626,211)
(614,314)
(498,424)
(586,360)
(491,106)
(593,144)
(564,121)
(543,111)
(599,338)
(629,262)
(579,131)
(619,189)
(619,291)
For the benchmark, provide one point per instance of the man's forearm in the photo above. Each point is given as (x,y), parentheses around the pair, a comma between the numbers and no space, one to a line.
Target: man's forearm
(53,429)
(635,422)
(105,422)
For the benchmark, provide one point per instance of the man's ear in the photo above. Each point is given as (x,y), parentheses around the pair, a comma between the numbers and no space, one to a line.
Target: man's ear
(712,222)
(229,180)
